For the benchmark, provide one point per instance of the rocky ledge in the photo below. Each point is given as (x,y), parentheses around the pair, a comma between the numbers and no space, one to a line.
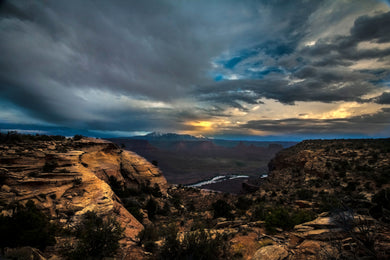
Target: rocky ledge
(68,178)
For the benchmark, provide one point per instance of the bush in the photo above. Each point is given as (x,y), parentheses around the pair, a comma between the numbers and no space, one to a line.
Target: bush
(150,246)
(243,203)
(134,208)
(147,237)
(15,137)
(286,219)
(152,208)
(278,218)
(77,181)
(26,227)
(195,245)
(222,209)
(329,202)
(97,237)
(381,210)
(77,137)
(156,191)
(304,194)
(259,213)
(176,201)
(351,186)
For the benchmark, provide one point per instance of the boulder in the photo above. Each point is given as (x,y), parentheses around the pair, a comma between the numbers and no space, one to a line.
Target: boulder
(6,188)
(318,223)
(24,253)
(324,234)
(272,252)
(310,247)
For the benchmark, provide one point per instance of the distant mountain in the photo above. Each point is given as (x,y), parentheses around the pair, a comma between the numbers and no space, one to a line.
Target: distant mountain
(158,136)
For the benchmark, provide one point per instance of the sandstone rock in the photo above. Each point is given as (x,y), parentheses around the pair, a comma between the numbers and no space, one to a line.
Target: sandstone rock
(303,228)
(294,240)
(24,253)
(272,252)
(318,223)
(71,189)
(310,247)
(224,224)
(6,188)
(258,223)
(303,203)
(324,234)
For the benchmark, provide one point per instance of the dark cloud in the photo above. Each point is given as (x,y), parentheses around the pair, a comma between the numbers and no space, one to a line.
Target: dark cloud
(319,72)
(383,99)
(310,89)
(368,28)
(367,124)
(53,51)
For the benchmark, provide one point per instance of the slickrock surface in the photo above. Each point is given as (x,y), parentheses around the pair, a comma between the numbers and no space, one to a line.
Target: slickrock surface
(68,178)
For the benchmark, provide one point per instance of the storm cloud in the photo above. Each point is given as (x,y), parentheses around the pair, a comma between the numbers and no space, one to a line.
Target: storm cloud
(321,71)
(355,125)
(163,64)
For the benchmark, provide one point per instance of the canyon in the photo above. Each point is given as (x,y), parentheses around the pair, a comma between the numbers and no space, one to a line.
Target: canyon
(322,199)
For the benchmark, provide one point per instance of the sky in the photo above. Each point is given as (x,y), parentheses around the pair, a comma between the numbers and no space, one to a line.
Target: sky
(271,69)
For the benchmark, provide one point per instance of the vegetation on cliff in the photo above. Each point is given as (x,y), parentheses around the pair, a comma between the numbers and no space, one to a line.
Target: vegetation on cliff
(26,226)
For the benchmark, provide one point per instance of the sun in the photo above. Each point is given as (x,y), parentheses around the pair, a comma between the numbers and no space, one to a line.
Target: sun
(205,125)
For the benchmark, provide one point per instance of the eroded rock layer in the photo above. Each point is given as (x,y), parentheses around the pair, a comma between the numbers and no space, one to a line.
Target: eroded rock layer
(68,178)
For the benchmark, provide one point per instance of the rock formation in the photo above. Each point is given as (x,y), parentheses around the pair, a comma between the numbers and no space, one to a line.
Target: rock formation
(66,179)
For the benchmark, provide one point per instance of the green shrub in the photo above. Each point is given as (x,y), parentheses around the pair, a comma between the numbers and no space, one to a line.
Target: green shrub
(97,238)
(381,210)
(148,236)
(278,218)
(15,137)
(243,203)
(77,181)
(150,246)
(351,186)
(195,245)
(134,210)
(152,208)
(77,137)
(156,191)
(304,194)
(222,209)
(259,213)
(286,219)
(171,248)
(176,201)
(26,227)
(329,202)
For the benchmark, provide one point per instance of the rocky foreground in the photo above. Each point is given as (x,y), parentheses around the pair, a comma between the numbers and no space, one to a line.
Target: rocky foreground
(322,200)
